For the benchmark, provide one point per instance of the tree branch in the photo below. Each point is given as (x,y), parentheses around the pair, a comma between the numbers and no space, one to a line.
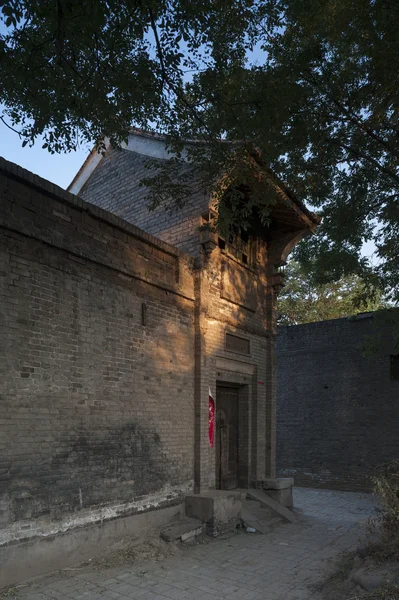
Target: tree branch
(166,79)
(371,160)
(352,117)
(9,126)
(158,45)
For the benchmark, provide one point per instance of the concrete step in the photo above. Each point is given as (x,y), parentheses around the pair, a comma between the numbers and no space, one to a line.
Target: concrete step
(219,510)
(268,502)
(183,530)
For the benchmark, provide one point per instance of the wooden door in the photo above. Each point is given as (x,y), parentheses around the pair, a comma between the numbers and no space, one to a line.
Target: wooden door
(226,437)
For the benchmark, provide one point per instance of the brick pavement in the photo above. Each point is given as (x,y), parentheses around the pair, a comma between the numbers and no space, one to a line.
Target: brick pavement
(285,564)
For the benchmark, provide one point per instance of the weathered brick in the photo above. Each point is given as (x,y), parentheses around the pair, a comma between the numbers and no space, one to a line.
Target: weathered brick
(69,378)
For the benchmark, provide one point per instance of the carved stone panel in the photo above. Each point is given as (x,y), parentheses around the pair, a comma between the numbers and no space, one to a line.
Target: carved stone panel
(235,343)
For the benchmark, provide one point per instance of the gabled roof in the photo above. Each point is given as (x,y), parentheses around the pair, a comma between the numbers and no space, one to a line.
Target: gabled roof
(92,161)
(296,204)
(142,142)
(153,146)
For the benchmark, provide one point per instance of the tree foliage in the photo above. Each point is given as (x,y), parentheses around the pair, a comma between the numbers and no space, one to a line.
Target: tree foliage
(303,302)
(312,84)
(75,71)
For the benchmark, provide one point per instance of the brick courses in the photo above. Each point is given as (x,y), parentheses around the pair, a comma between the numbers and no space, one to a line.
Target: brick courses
(105,413)
(97,409)
(337,408)
(115,186)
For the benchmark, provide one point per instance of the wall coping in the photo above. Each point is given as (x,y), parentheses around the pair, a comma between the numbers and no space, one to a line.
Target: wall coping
(14,171)
(358,317)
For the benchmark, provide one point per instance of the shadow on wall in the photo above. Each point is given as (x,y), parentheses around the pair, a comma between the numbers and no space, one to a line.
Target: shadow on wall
(99,408)
(107,459)
(337,405)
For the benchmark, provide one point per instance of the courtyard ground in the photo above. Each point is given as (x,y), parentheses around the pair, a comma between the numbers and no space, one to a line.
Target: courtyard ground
(289,563)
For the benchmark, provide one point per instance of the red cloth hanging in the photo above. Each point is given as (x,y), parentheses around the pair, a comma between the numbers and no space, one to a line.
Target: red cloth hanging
(211,412)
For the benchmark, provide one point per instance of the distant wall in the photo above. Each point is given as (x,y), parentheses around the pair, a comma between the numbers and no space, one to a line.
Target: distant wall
(337,409)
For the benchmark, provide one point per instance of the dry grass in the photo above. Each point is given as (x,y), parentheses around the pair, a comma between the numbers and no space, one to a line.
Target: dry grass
(10,592)
(386,523)
(390,592)
(338,586)
(384,547)
(134,552)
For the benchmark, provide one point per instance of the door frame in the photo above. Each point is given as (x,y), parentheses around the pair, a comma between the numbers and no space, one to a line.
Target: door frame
(219,479)
(243,433)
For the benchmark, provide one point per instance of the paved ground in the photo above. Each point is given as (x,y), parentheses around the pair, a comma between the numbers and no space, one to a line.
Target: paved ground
(285,564)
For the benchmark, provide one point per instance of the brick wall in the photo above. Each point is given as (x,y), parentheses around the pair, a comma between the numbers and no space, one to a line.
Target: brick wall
(102,414)
(230,297)
(115,186)
(337,407)
(242,313)
(96,408)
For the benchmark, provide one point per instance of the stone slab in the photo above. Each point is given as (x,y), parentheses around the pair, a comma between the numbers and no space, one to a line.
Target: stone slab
(283,497)
(371,575)
(278,483)
(250,520)
(263,498)
(182,530)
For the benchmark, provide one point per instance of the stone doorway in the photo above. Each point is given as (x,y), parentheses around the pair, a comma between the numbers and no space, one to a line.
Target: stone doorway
(227,446)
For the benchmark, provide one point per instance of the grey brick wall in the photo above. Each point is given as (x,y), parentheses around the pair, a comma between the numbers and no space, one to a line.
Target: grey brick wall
(337,407)
(115,186)
(97,409)
(218,316)
(102,415)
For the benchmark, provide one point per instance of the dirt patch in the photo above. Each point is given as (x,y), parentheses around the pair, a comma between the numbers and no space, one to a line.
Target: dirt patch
(152,549)
(343,584)
(139,551)
(386,593)
(338,586)
(128,552)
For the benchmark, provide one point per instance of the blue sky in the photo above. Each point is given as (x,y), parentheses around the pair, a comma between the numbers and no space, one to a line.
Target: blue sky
(58,168)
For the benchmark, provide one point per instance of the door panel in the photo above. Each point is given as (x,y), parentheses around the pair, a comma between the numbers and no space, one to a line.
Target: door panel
(226,437)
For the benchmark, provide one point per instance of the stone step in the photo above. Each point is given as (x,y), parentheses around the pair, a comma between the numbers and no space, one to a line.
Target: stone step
(183,530)
(219,510)
(264,499)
